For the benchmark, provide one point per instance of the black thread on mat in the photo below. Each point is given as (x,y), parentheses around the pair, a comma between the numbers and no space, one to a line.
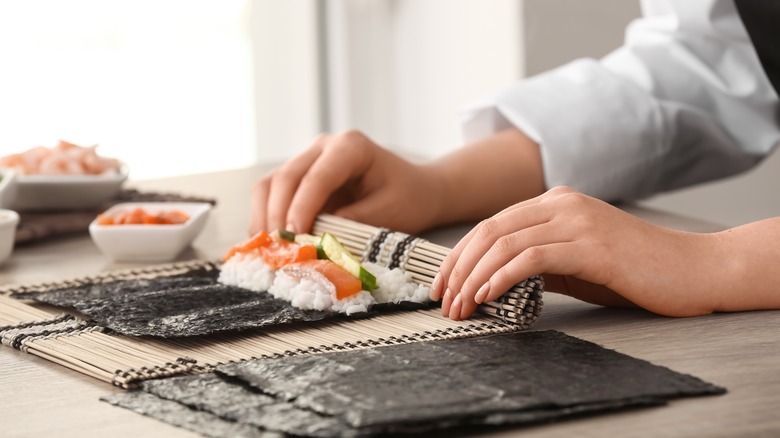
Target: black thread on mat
(376,245)
(56,320)
(131,377)
(400,250)
(18,340)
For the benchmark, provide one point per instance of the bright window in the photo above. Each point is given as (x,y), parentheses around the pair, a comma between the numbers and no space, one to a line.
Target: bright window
(165,86)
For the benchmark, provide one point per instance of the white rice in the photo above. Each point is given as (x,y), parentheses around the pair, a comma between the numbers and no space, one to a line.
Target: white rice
(396,285)
(312,291)
(247,271)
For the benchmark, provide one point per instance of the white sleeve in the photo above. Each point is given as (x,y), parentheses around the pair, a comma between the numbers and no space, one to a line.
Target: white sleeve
(685,100)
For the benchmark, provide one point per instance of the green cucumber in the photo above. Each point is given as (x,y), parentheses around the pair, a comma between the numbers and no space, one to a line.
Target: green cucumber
(334,251)
(283,235)
(307,239)
(310,239)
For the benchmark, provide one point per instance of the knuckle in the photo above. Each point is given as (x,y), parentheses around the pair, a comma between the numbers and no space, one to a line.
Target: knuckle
(262,185)
(505,244)
(350,137)
(503,276)
(320,138)
(471,284)
(560,190)
(574,201)
(535,256)
(487,229)
(457,276)
(284,173)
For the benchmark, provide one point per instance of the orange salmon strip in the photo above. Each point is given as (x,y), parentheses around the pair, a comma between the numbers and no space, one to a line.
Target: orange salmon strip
(275,253)
(346,284)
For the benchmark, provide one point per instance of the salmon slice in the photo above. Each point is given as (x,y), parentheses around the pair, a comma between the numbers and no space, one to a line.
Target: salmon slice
(345,283)
(258,240)
(275,253)
(280,253)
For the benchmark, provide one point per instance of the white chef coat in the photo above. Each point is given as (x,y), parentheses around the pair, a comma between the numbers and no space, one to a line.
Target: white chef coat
(684,100)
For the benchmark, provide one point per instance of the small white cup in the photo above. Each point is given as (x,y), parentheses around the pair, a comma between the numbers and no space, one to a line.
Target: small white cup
(9,219)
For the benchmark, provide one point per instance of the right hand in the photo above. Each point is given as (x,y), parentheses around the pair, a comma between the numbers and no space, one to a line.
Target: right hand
(351,176)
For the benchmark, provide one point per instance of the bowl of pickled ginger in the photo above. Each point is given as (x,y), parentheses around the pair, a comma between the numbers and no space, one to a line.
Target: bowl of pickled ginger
(148,231)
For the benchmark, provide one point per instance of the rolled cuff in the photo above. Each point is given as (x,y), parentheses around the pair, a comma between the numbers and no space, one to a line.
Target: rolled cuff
(597,133)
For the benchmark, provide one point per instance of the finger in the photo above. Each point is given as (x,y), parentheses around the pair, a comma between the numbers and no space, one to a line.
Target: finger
(455,309)
(446,302)
(499,229)
(334,168)
(285,181)
(556,258)
(258,204)
(439,284)
(502,253)
(482,238)
(441,280)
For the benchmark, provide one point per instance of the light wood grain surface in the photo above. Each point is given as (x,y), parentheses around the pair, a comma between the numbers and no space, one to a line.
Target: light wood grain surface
(738,351)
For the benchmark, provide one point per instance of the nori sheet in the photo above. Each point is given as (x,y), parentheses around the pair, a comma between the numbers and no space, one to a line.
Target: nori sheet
(177,414)
(241,403)
(430,387)
(188,304)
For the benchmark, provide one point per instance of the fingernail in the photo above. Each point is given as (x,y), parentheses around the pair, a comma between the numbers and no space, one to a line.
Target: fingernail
(446,303)
(291,227)
(482,293)
(456,307)
(435,292)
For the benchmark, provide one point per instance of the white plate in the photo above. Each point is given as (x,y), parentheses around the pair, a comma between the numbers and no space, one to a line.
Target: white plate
(150,243)
(8,187)
(66,192)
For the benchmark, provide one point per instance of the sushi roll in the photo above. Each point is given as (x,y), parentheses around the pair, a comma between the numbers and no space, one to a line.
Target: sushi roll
(315,273)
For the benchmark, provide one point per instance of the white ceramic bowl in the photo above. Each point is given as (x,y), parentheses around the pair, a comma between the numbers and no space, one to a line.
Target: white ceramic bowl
(8,187)
(149,243)
(66,192)
(8,222)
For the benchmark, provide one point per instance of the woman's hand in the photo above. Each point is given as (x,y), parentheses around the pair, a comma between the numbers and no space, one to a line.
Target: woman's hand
(351,176)
(604,255)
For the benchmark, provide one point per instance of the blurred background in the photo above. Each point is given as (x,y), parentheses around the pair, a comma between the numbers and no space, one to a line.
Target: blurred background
(176,87)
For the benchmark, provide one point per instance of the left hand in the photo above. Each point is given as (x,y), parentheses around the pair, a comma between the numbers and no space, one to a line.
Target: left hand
(566,233)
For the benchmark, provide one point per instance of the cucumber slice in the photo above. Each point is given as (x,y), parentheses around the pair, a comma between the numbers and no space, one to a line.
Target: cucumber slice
(310,239)
(307,239)
(337,253)
(283,235)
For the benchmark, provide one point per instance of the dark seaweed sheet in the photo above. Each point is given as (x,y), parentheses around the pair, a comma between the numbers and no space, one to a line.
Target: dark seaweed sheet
(513,379)
(187,304)
(177,414)
(241,403)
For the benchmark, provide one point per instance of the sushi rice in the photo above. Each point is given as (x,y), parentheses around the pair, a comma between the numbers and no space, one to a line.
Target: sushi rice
(314,292)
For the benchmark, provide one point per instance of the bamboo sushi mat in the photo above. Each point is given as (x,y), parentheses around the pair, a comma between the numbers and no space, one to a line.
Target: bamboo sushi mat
(125,361)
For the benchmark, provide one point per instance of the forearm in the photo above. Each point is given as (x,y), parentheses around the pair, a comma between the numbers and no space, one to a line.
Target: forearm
(487,176)
(693,274)
(750,276)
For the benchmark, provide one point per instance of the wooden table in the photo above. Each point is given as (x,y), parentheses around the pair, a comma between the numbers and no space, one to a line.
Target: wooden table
(738,351)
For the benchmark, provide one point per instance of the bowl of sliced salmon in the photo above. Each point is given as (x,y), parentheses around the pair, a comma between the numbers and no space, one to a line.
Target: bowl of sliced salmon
(64,177)
(148,231)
